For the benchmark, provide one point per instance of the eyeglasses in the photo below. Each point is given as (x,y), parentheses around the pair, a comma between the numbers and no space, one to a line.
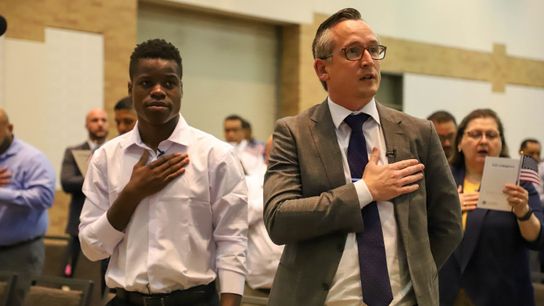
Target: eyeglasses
(477,135)
(355,53)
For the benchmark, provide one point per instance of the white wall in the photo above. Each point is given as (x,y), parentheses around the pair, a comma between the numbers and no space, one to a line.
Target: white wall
(229,66)
(463,23)
(284,11)
(50,86)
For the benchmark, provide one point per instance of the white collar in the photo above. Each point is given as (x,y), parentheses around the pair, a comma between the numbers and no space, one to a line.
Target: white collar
(339,113)
(181,135)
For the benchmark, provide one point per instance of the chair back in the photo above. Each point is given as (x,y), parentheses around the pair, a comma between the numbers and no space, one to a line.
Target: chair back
(55,291)
(8,282)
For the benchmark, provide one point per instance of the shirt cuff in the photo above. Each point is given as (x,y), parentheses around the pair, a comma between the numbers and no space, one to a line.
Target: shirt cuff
(364,195)
(7,195)
(231,282)
(104,235)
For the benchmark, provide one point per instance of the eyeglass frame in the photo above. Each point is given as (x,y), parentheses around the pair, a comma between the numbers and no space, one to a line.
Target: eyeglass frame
(489,135)
(344,50)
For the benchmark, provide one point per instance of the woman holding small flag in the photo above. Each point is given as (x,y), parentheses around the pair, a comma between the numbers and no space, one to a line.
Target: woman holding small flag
(490,266)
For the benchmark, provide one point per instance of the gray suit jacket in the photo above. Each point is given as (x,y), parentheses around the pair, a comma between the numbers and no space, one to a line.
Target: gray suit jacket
(310,208)
(71,180)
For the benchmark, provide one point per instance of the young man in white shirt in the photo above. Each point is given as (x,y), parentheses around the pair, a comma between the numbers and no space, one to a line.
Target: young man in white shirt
(171,225)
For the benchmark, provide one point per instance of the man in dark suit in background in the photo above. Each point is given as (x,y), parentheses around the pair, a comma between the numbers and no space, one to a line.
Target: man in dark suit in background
(446,127)
(71,178)
(358,227)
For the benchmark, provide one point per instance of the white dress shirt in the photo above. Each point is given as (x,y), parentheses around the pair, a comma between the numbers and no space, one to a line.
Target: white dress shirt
(346,287)
(187,234)
(263,255)
(252,160)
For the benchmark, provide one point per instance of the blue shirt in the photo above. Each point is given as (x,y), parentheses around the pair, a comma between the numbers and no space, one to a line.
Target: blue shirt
(25,200)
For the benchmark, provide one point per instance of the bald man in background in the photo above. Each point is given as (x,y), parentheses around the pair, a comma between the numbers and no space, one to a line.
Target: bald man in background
(27,188)
(71,178)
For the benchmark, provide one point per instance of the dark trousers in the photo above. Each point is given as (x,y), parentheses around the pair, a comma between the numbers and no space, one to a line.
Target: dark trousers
(72,255)
(25,259)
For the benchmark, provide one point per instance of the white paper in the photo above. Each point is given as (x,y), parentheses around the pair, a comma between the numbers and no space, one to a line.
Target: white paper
(82,158)
(498,171)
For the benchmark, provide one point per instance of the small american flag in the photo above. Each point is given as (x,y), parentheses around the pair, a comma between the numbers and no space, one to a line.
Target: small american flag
(529,170)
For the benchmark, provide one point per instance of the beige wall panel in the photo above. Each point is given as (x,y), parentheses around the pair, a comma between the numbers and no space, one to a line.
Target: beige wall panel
(290,75)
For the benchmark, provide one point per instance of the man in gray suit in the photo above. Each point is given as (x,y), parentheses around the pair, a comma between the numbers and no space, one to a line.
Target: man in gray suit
(359,227)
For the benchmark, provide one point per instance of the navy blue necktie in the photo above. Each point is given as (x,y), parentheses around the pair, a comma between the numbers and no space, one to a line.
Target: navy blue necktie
(372,261)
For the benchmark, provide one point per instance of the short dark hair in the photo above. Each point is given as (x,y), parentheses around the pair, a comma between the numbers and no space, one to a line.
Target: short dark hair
(246,125)
(235,117)
(124,103)
(526,141)
(458,158)
(323,45)
(319,46)
(441,116)
(155,48)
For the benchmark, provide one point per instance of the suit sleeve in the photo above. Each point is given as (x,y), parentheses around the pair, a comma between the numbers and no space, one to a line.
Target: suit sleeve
(443,208)
(70,177)
(534,204)
(289,214)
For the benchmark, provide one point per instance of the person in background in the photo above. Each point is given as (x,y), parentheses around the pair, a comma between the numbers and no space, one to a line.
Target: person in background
(125,116)
(490,266)
(253,145)
(445,126)
(360,194)
(252,160)
(263,255)
(234,134)
(166,202)
(71,180)
(27,190)
(530,147)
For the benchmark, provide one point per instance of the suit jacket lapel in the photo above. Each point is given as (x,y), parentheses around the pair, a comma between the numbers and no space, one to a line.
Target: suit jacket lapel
(323,133)
(473,227)
(85,146)
(397,148)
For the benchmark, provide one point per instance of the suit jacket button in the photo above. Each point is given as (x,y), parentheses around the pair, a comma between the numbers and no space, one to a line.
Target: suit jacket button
(340,247)
(326,286)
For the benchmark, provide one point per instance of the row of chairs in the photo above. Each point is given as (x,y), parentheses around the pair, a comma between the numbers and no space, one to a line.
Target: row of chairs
(47,291)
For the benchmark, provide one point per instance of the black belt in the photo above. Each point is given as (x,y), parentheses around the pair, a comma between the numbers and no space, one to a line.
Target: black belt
(263,290)
(174,298)
(20,243)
